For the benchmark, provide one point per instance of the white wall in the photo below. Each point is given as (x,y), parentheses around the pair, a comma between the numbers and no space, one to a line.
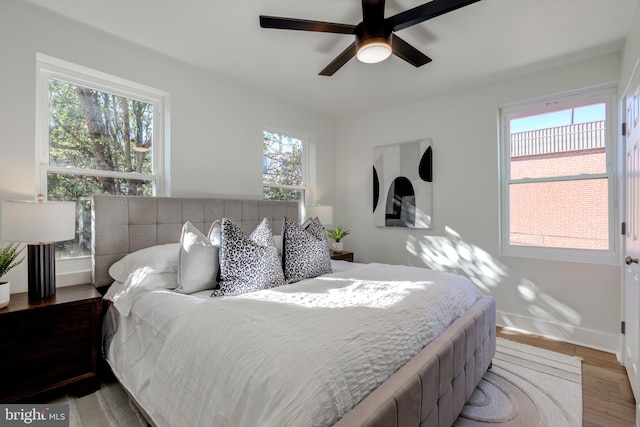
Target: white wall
(573,301)
(216,124)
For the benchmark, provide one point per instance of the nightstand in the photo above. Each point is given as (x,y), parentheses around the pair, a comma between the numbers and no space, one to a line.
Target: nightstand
(342,256)
(50,345)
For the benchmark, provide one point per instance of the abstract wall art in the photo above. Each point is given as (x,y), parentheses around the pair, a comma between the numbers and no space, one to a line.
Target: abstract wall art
(403,184)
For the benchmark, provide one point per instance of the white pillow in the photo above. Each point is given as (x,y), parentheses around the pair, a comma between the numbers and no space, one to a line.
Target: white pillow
(198,261)
(160,258)
(278,239)
(215,233)
(215,237)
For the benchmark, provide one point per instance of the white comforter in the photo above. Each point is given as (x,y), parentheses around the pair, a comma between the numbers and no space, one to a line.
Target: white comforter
(302,354)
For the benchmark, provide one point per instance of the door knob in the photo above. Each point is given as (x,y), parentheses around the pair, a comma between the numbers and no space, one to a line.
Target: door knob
(628,260)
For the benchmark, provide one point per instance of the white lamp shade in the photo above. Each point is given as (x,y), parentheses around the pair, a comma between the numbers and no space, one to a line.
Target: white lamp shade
(37,222)
(324,214)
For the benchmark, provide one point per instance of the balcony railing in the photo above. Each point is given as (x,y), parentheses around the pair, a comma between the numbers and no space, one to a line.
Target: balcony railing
(582,136)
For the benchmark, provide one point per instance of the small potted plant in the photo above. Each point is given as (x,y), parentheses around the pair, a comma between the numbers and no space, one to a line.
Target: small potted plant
(337,234)
(8,259)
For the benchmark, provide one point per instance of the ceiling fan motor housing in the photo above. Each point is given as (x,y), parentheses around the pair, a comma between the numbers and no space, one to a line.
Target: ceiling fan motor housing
(373,42)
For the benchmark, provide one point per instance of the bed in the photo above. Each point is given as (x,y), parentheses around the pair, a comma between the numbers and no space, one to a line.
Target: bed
(152,345)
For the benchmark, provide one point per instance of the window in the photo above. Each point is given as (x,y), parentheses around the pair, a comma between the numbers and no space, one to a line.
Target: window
(284,167)
(97,135)
(557,178)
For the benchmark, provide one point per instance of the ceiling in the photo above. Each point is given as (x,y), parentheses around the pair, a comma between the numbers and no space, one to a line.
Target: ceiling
(485,42)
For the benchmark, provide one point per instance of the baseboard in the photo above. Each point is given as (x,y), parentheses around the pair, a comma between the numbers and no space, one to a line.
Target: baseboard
(563,332)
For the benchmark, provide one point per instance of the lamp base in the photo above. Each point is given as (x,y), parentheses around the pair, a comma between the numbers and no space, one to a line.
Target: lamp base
(42,271)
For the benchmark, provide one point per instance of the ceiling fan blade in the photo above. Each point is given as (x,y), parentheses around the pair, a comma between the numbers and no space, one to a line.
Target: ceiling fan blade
(340,60)
(305,25)
(404,50)
(426,11)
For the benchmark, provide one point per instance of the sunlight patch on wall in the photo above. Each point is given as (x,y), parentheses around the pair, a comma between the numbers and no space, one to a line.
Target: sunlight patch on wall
(542,313)
(451,253)
(553,316)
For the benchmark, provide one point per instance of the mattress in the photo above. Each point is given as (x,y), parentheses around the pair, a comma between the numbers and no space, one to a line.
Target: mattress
(136,346)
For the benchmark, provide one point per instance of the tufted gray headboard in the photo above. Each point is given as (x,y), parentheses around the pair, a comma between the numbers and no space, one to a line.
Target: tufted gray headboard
(124,224)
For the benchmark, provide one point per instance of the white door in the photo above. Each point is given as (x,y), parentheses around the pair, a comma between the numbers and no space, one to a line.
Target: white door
(631,291)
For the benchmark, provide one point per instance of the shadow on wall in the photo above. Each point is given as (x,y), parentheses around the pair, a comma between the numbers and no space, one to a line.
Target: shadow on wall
(451,253)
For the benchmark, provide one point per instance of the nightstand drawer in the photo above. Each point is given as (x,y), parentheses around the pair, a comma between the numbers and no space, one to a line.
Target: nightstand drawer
(63,334)
(342,256)
(46,347)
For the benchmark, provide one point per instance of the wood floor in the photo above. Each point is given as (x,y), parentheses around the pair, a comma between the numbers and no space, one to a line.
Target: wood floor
(607,399)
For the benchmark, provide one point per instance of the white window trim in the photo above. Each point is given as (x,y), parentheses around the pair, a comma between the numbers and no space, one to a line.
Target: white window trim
(308,163)
(507,112)
(49,67)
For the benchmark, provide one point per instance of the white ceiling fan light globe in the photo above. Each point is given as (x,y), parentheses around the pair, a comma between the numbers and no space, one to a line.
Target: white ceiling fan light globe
(374,50)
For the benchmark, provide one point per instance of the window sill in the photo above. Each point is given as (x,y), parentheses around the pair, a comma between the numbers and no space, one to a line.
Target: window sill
(567,255)
(73,271)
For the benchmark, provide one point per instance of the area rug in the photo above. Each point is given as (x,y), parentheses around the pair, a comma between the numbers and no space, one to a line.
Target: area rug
(526,386)
(108,407)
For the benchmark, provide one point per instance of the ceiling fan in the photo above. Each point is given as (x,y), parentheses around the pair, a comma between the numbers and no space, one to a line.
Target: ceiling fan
(375,40)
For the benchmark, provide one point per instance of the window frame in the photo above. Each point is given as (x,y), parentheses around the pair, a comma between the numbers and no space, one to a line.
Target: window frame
(606,94)
(307,172)
(52,68)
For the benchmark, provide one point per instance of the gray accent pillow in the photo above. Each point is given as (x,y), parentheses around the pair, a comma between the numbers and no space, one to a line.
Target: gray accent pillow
(248,264)
(198,263)
(305,250)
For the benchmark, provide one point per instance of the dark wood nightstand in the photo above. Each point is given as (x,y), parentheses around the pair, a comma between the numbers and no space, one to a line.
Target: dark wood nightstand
(49,345)
(342,256)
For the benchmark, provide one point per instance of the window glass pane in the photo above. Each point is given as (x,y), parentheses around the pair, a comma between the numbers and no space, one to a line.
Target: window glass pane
(93,129)
(80,188)
(562,214)
(562,143)
(282,159)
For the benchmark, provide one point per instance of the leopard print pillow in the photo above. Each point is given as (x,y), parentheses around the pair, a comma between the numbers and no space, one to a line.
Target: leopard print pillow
(247,264)
(305,250)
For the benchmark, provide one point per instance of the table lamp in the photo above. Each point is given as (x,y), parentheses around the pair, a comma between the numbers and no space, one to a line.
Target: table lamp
(40,224)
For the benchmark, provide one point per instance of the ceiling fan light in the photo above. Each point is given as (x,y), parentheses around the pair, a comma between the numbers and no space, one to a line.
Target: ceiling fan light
(373,50)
